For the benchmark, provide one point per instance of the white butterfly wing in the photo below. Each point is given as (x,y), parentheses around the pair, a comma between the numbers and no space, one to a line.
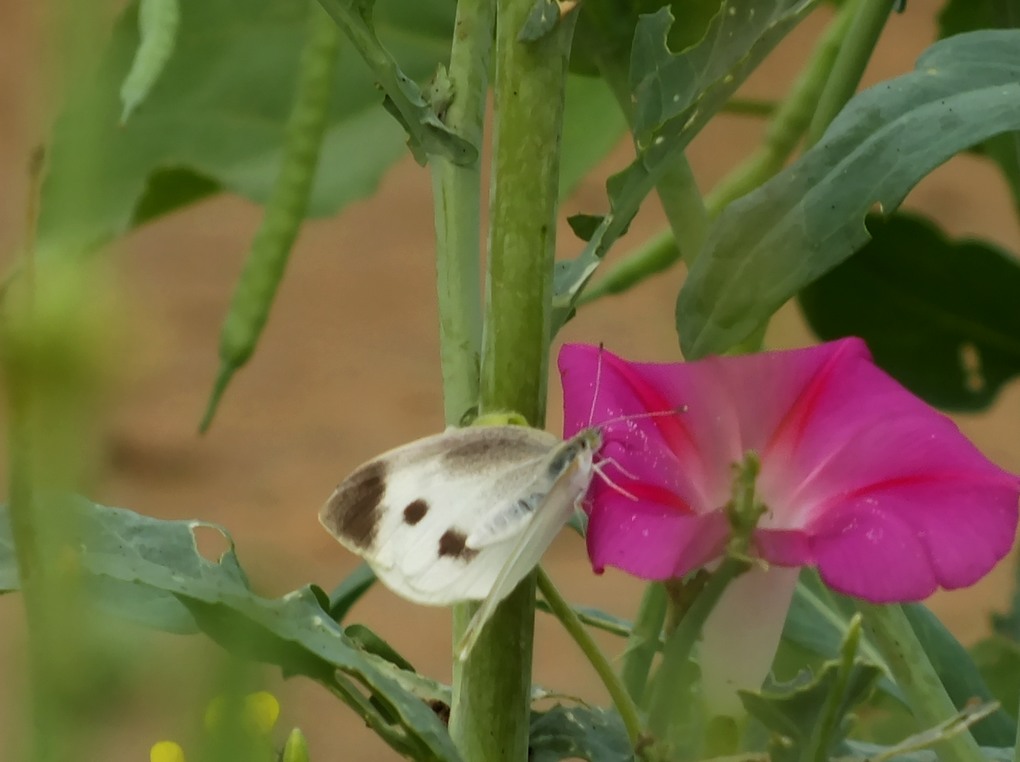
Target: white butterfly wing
(560,502)
(411,511)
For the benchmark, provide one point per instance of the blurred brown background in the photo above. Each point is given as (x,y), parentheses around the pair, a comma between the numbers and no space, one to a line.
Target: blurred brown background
(348,368)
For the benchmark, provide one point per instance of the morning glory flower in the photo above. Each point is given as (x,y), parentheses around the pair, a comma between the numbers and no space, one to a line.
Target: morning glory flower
(859,478)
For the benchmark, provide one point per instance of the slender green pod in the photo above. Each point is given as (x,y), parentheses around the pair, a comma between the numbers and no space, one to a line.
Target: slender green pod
(158,21)
(267,259)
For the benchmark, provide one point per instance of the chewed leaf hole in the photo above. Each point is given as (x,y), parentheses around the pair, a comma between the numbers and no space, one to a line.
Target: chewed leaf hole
(210,541)
(970,363)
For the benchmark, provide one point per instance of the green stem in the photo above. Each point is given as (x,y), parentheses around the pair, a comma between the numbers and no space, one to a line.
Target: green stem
(491,698)
(890,631)
(618,692)
(667,689)
(643,643)
(457,191)
(848,68)
(750,107)
(428,135)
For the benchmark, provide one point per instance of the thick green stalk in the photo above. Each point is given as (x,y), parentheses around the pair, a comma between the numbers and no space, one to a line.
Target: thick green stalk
(622,698)
(861,38)
(50,362)
(457,191)
(890,631)
(489,717)
(643,643)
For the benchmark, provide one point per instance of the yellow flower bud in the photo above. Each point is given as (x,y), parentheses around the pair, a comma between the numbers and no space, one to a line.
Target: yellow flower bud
(166,751)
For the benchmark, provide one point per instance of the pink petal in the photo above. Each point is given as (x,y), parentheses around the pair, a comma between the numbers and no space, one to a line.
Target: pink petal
(860,477)
(651,541)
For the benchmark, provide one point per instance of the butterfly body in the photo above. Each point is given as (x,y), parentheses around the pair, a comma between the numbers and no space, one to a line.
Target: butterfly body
(462,515)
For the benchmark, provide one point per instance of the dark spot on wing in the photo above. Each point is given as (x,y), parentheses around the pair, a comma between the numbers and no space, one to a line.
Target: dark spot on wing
(353,511)
(477,449)
(453,543)
(486,445)
(415,512)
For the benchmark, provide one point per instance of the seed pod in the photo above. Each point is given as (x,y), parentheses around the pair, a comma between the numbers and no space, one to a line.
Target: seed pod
(285,211)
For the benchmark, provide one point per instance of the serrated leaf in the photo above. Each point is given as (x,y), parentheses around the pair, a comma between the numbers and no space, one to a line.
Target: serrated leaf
(676,94)
(768,245)
(819,620)
(293,632)
(217,115)
(940,316)
(809,715)
(588,733)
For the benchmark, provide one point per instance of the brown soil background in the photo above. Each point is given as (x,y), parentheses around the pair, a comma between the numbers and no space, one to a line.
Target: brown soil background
(348,368)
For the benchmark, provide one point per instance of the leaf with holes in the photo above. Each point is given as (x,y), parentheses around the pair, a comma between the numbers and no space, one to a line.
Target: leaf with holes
(674,96)
(940,316)
(576,732)
(768,245)
(808,716)
(293,632)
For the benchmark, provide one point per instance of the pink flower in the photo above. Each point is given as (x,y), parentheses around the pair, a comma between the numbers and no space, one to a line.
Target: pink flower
(861,479)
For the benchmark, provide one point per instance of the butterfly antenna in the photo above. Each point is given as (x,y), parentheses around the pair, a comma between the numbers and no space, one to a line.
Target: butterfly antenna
(598,386)
(678,410)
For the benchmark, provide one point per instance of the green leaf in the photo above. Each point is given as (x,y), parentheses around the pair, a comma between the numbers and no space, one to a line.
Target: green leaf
(215,117)
(157,30)
(427,134)
(544,16)
(940,316)
(768,245)
(9,579)
(959,16)
(1008,625)
(916,747)
(809,716)
(600,620)
(369,641)
(592,127)
(605,29)
(820,618)
(675,95)
(587,733)
(960,675)
(293,632)
(998,660)
(349,591)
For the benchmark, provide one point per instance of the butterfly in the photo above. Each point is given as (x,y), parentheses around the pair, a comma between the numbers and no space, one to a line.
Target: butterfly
(462,515)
